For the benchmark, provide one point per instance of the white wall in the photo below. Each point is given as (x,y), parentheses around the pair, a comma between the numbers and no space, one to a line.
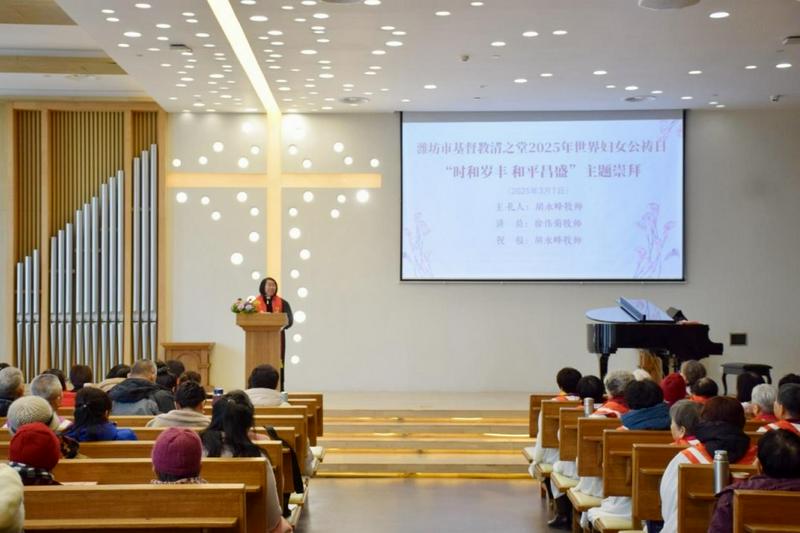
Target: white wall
(367,331)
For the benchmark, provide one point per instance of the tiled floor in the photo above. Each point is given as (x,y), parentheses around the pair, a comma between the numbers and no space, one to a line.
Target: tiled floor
(424,505)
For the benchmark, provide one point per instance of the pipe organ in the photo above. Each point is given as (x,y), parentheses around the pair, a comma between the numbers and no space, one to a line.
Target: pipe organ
(87,234)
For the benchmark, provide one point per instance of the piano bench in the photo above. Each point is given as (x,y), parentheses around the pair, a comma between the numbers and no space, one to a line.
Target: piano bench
(740,368)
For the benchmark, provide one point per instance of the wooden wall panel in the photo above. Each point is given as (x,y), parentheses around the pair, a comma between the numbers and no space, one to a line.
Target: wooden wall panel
(28,165)
(145,130)
(87,148)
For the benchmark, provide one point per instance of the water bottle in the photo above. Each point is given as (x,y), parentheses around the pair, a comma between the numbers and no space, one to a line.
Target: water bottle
(721,471)
(217,395)
(588,406)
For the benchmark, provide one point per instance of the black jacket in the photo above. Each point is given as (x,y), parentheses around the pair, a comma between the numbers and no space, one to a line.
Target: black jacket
(133,390)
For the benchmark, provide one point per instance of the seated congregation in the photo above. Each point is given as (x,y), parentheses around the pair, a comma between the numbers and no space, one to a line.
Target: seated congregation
(640,451)
(152,424)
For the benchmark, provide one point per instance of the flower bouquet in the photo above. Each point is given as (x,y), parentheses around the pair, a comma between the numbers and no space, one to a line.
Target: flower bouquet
(246,306)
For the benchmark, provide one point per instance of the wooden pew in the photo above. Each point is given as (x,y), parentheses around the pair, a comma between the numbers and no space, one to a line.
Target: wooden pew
(590,444)
(765,511)
(649,463)
(155,508)
(301,398)
(551,410)
(297,410)
(618,457)
(568,433)
(535,407)
(754,425)
(252,471)
(696,495)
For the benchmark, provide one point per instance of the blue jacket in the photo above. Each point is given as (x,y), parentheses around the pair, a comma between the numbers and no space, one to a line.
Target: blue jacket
(655,417)
(107,431)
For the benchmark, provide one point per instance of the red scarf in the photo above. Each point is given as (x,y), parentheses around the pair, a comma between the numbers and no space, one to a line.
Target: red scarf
(277,304)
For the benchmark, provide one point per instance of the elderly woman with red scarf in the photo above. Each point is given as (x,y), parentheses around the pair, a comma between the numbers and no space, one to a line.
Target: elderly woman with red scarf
(268,301)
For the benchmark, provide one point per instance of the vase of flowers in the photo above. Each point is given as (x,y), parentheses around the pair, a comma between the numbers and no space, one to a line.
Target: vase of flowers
(246,306)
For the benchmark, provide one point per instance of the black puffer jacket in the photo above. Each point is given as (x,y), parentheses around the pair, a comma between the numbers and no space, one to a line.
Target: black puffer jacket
(134,390)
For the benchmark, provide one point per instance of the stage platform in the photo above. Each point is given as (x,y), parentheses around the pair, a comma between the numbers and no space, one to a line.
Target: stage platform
(425,434)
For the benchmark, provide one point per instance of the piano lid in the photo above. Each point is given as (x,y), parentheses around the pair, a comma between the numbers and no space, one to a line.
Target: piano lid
(630,311)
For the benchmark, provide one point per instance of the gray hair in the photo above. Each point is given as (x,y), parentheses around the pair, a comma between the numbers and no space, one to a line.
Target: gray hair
(686,414)
(10,381)
(764,396)
(46,386)
(641,374)
(143,367)
(616,382)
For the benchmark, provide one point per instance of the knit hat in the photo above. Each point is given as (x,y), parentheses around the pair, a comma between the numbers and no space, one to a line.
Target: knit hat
(28,409)
(12,509)
(178,452)
(674,388)
(35,445)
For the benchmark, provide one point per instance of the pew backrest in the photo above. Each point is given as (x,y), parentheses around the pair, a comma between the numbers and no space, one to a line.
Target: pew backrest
(696,495)
(618,457)
(590,444)
(649,463)
(765,511)
(550,413)
(251,471)
(160,508)
(535,407)
(568,432)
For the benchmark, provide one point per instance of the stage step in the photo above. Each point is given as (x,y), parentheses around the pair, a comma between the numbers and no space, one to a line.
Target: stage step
(425,442)
(424,463)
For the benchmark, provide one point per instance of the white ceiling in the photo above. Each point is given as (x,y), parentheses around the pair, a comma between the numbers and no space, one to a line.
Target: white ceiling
(652,50)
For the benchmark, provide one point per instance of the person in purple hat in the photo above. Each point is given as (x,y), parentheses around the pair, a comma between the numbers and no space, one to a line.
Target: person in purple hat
(177,453)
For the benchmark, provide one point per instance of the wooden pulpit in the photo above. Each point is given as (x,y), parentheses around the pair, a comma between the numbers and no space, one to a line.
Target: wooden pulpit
(262,339)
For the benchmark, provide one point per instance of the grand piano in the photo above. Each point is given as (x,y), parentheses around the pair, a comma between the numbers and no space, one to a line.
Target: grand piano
(642,324)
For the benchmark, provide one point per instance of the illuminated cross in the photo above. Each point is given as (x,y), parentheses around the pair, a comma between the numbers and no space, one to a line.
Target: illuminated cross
(274,181)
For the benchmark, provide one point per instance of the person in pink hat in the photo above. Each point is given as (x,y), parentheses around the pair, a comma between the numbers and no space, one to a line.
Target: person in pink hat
(176,457)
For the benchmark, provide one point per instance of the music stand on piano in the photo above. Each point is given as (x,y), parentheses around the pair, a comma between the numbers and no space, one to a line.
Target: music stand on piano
(642,324)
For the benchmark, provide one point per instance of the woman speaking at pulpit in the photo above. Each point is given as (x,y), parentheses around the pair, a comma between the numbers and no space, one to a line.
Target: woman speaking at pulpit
(268,301)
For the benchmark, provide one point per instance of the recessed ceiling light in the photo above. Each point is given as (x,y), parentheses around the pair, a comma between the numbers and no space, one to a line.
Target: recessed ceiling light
(165,65)
(320,16)
(546,74)
(202,35)
(442,13)
(406,100)
(191,21)
(695,72)
(687,97)
(142,5)
(277,43)
(348,85)
(112,19)
(611,86)
(275,33)
(430,86)
(132,34)
(751,67)
(163,26)
(308,52)
(216,75)
(326,108)
(520,80)
(387,28)
(560,32)
(398,33)
(476,4)
(153,49)
(370,73)
(187,14)
(632,88)
(384,89)
(783,65)
(530,34)
(372,2)
(657,91)
(394,43)
(309,2)
(318,28)
(378,52)
(124,45)
(600,72)
(287,8)
(498,44)
(713,102)
(326,75)
(719,15)
(720,106)
(300,19)
(323,41)
(107,11)
(259,18)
